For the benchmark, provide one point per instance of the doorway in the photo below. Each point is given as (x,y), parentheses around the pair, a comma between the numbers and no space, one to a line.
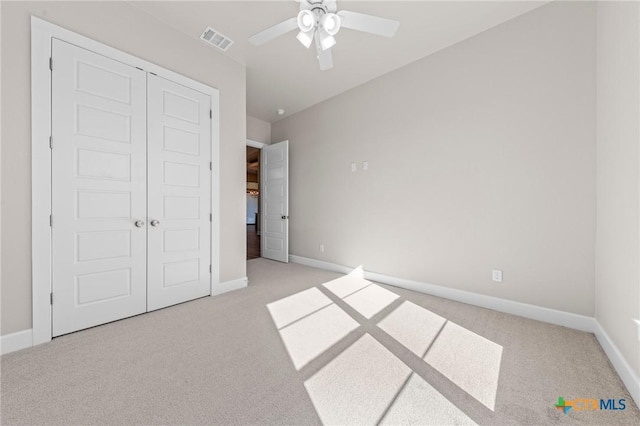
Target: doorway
(253,202)
(268,227)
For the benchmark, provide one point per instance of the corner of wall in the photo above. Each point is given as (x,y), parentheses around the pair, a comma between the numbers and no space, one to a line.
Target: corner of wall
(258,130)
(617,285)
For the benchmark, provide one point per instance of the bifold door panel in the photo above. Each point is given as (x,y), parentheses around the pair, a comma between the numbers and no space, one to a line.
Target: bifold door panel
(179,188)
(99,159)
(130,190)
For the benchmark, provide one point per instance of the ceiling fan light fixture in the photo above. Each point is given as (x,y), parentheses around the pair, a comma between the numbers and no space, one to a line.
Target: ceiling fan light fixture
(305,38)
(327,41)
(306,21)
(331,23)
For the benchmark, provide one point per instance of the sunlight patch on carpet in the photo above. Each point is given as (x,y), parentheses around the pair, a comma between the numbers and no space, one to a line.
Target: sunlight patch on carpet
(367,383)
(370,300)
(468,360)
(359,385)
(346,285)
(413,326)
(314,334)
(292,308)
(420,404)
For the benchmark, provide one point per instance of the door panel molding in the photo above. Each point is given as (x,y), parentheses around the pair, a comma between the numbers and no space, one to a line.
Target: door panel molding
(42,34)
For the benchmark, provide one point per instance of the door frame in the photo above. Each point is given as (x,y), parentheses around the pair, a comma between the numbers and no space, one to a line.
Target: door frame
(255,144)
(41,34)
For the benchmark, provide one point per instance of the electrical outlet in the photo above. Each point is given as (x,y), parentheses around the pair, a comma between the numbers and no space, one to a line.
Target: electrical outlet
(354,167)
(365,165)
(321,248)
(496,274)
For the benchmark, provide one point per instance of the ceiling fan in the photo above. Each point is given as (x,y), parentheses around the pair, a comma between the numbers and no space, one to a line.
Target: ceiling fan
(320,21)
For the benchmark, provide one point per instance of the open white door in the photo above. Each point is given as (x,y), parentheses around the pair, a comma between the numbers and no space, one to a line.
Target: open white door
(274,191)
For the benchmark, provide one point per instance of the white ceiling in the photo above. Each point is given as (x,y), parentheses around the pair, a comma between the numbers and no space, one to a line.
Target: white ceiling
(283,74)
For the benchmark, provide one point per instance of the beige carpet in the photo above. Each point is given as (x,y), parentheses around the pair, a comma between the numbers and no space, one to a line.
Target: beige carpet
(291,350)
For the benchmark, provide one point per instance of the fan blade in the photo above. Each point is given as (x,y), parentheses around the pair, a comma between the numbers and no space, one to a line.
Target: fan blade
(368,23)
(325,58)
(270,33)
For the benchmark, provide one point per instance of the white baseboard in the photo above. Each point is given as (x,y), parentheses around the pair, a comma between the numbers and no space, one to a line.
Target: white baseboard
(566,319)
(539,313)
(320,264)
(626,373)
(16,341)
(229,286)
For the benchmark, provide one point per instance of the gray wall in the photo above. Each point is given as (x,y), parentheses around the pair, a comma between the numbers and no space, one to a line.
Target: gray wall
(617,289)
(481,157)
(258,130)
(124,27)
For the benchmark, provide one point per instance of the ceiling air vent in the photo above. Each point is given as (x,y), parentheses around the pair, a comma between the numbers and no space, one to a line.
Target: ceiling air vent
(213,37)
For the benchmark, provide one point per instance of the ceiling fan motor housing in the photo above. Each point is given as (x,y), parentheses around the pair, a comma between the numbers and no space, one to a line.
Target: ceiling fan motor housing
(321,6)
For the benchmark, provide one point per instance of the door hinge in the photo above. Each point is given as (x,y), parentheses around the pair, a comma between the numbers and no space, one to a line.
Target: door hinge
(50,220)
(50,142)
(210,165)
(51,63)
(51,298)
(140,68)
(210,268)
(210,113)
(210,217)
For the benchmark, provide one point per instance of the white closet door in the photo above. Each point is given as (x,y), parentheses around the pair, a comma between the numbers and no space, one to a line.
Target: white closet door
(98,189)
(179,193)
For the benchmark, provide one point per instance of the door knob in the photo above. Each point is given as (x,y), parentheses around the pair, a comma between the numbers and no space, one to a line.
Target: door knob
(155,222)
(285,217)
(139,223)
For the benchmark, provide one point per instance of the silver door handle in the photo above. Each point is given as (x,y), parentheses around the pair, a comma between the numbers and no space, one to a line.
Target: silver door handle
(155,222)
(139,223)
